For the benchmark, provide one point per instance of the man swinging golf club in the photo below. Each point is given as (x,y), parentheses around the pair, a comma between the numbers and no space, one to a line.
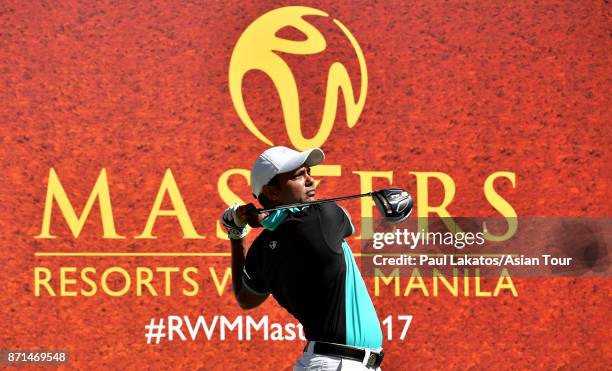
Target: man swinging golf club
(302,259)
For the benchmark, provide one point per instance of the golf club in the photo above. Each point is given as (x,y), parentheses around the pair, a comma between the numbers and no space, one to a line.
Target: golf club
(395,204)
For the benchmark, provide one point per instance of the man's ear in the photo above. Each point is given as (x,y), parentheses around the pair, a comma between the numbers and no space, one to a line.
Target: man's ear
(272,193)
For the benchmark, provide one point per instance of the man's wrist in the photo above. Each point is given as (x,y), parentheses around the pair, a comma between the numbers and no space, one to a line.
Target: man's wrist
(236,234)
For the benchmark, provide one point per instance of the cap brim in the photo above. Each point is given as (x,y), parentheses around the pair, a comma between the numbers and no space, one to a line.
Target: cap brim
(309,157)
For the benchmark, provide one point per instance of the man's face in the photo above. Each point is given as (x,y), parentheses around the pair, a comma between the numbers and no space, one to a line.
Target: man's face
(294,186)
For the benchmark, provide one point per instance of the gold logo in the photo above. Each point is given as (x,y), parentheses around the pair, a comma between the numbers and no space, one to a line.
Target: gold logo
(258,48)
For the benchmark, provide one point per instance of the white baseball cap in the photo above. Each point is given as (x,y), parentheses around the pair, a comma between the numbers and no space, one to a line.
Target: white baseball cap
(279,160)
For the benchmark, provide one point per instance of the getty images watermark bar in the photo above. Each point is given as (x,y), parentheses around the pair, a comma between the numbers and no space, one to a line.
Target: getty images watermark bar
(487,247)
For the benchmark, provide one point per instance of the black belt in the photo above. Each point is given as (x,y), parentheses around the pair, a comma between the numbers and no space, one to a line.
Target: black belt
(345,351)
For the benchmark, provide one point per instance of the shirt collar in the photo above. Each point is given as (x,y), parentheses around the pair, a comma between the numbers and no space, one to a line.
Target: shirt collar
(276,217)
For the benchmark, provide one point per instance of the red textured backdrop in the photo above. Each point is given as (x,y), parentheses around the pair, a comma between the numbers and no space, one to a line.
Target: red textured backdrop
(465,88)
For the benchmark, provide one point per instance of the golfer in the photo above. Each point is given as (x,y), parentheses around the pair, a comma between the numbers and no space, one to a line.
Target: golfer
(302,259)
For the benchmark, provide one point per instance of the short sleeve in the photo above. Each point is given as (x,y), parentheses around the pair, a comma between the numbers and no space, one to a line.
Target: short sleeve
(348,227)
(336,224)
(252,273)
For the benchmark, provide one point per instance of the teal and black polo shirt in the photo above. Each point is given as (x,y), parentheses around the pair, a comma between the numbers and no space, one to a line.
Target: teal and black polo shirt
(302,259)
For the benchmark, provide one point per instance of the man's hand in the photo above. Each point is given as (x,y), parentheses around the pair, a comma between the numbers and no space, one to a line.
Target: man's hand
(235,218)
(248,214)
(235,226)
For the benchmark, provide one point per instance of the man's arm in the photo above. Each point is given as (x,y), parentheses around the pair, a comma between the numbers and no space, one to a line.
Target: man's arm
(245,297)
(235,219)
(349,219)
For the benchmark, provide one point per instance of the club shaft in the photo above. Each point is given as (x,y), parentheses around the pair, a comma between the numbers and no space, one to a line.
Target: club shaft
(314,202)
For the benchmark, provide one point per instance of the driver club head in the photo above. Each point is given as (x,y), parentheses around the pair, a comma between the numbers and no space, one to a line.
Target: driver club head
(394,204)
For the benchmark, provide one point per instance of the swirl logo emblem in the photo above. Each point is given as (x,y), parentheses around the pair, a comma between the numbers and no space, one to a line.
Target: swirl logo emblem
(258,48)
